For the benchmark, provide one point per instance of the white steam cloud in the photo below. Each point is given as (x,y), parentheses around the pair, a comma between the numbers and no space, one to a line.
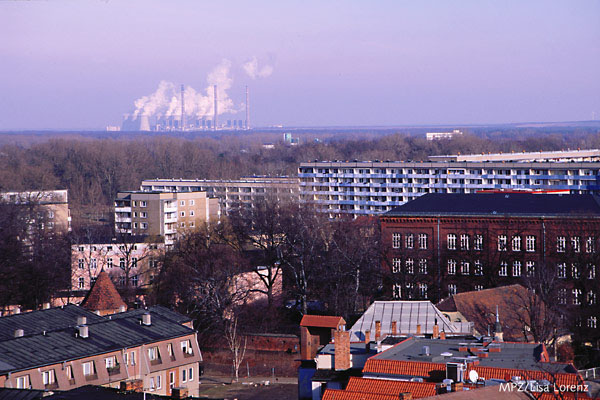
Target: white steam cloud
(254,71)
(166,100)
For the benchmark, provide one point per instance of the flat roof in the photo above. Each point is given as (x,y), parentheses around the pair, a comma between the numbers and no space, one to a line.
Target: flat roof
(523,156)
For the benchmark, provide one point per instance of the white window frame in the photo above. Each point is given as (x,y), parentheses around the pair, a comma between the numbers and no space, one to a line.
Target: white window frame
(589,245)
(48,377)
(451,241)
(502,243)
(409,240)
(451,267)
(517,268)
(561,244)
(530,268)
(561,270)
(410,266)
(516,243)
(464,242)
(452,289)
(423,267)
(503,271)
(478,242)
(465,268)
(396,265)
(530,243)
(423,241)
(88,368)
(396,240)
(477,268)
(186,347)
(576,296)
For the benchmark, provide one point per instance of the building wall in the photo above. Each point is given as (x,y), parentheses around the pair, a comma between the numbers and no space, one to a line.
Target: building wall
(453,268)
(87,260)
(54,204)
(142,368)
(377,187)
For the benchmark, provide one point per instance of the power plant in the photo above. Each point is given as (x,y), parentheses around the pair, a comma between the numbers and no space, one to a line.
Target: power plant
(185,111)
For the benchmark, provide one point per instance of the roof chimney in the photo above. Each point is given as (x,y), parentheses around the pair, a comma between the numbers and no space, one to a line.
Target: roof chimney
(377,330)
(17,310)
(146,319)
(342,350)
(83,331)
(418,329)
(81,320)
(443,335)
(19,333)
(498,335)
(405,396)
(123,308)
(436,330)
(46,306)
(394,326)
(367,340)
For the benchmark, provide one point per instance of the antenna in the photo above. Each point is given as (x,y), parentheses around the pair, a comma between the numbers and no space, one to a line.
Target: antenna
(182,109)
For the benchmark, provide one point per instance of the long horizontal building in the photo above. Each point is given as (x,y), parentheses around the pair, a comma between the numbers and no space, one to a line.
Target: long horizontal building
(372,187)
(231,193)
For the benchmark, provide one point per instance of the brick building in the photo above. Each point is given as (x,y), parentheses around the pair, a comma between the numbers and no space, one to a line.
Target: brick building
(443,244)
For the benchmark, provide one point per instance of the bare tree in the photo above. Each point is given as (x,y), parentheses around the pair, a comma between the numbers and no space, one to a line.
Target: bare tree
(237,345)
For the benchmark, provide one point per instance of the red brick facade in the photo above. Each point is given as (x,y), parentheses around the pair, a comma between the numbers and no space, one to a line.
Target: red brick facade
(432,257)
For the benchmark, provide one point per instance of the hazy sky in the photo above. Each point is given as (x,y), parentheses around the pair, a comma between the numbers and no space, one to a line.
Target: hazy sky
(82,64)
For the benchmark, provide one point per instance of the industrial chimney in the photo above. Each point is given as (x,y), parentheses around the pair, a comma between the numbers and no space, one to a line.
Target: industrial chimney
(216,109)
(247,109)
(182,109)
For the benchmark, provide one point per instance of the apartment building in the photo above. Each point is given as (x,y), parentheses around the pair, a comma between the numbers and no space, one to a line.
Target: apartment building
(231,193)
(444,244)
(372,187)
(153,213)
(154,350)
(135,259)
(53,204)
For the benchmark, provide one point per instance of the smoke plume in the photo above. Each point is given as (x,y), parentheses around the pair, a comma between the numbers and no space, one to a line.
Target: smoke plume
(252,69)
(166,100)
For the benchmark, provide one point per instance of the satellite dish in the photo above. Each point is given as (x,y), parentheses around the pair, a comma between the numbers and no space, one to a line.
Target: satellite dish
(473,376)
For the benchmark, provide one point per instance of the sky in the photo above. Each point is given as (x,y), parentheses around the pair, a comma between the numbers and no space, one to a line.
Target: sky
(82,64)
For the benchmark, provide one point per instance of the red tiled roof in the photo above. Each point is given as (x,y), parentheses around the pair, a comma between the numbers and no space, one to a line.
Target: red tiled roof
(506,373)
(331,394)
(399,367)
(322,321)
(389,387)
(103,295)
(487,393)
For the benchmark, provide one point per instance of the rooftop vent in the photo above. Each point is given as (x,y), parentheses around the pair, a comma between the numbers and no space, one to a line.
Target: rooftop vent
(19,333)
(146,319)
(83,331)
(81,320)
(425,350)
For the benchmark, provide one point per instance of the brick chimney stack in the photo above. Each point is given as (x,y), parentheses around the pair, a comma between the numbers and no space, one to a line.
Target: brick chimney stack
(418,329)
(377,331)
(443,335)
(342,350)
(394,326)
(436,330)
(367,340)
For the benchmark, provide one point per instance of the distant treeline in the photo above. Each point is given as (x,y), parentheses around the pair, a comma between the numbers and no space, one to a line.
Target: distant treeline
(95,168)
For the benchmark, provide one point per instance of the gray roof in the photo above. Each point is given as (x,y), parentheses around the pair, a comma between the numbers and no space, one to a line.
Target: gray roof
(407,314)
(492,204)
(20,394)
(512,355)
(107,334)
(35,322)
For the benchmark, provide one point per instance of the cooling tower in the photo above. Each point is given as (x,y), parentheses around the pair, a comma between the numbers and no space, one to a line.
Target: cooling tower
(144,123)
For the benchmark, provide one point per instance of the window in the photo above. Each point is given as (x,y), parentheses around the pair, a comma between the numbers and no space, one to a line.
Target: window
(191,202)
(81,263)
(135,203)
(81,248)
(396,240)
(478,287)
(592,272)
(144,225)
(190,374)
(88,368)
(576,296)
(477,268)
(464,242)
(502,242)
(122,280)
(122,263)
(451,267)
(561,270)
(422,290)
(589,245)
(451,289)
(591,297)
(170,349)
(23,382)
(530,243)
(575,271)
(562,296)
(48,377)
(153,353)
(158,382)
(109,262)
(182,203)
(503,269)
(134,281)
(94,263)
(182,224)
(409,290)
(576,244)
(464,268)
(396,265)
(478,242)
(186,347)
(192,213)
(135,225)
(184,375)
(171,379)
(409,241)
(134,262)
(143,214)
(110,362)
(423,241)
(397,291)
(561,244)
(591,322)
(530,266)
(182,213)
(516,243)
(516,269)
(69,372)
(81,283)
(143,204)
(192,224)
(152,384)
(451,239)
(410,266)
(423,266)
(132,358)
